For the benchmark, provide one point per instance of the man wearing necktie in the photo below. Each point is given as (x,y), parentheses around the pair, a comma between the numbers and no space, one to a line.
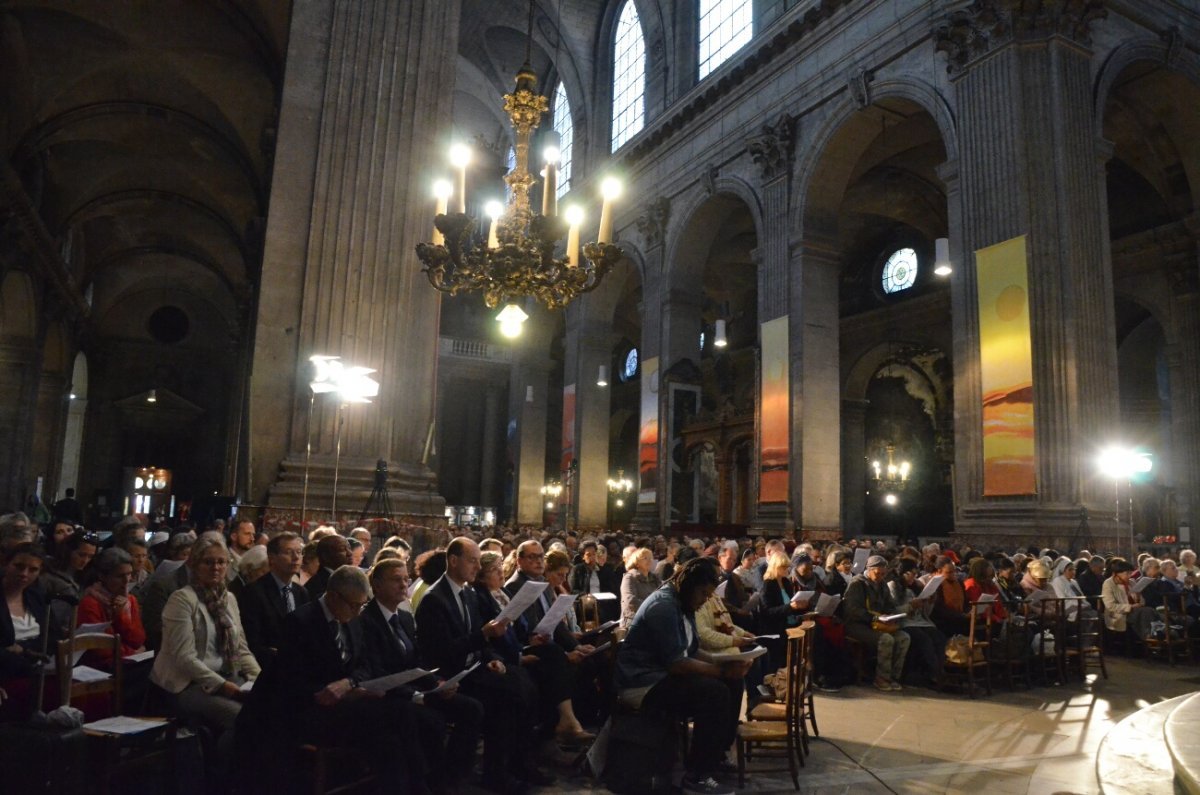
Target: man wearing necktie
(389,635)
(265,603)
(312,687)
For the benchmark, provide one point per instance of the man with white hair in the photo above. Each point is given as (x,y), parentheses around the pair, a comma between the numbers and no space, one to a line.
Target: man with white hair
(728,555)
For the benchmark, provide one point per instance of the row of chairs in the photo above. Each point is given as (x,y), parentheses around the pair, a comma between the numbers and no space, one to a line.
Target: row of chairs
(780,728)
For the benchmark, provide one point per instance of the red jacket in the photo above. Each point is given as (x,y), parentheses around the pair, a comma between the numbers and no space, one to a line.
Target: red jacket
(133,634)
(975,590)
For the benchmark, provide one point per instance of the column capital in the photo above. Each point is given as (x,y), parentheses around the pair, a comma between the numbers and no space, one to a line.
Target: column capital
(771,148)
(815,247)
(652,223)
(984,26)
(948,173)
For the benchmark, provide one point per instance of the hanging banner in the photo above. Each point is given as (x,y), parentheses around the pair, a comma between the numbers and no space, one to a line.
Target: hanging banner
(1006,369)
(775,420)
(568,427)
(648,434)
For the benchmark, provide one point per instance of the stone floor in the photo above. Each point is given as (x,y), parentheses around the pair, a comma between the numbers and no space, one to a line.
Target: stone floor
(1037,742)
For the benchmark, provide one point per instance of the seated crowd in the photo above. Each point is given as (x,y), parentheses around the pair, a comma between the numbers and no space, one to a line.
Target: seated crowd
(266,644)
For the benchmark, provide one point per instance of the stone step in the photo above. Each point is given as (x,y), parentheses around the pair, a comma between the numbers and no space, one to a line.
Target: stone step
(1182,734)
(1133,758)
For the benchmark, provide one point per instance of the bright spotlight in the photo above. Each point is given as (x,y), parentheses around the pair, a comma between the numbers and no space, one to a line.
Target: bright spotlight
(510,320)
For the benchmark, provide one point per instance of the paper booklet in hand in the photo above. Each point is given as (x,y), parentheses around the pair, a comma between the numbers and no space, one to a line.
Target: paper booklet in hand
(556,613)
(931,587)
(458,677)
(860,560)
(803,596)
(522,599)
(1141,584)
(891,617)
(385,683)
(826,604)
(985,600)
(746,655)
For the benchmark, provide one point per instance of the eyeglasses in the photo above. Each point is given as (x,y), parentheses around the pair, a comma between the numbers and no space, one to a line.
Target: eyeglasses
(357,607)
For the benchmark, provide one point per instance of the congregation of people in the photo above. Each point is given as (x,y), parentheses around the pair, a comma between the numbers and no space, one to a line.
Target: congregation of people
(264,643)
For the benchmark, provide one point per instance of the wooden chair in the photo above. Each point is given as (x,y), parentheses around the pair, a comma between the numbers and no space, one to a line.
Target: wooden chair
(977,648)
(1173,638)
(1050,660)
(113,755)
(1084,646)
(1010,653)
(779,737)
(777,710)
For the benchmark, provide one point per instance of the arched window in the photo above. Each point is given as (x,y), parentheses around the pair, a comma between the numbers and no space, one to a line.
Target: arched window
(565,127)
(725,27)
(629,77)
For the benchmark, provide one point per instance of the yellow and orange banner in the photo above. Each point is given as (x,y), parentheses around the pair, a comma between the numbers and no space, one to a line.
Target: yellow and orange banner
(568,427)
(648,434)
(1006,369)
(776,418)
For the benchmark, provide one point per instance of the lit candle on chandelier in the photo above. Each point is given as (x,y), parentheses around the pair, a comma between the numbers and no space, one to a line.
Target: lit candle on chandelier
(610,189)
(494,210)
(441,191)
(574,215)
(460,158)
(550,186)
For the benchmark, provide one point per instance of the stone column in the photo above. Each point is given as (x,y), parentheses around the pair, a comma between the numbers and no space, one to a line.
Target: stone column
(530,452)
(489,448)
(593,344)
(1028,163)
(771,151)
(365,109)
(854,445)
(1184,274)
(815,334)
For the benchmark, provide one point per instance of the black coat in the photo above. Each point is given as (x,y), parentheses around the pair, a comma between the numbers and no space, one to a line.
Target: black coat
(13,664)
(318,583)
(442,640)
(263,612)
(385,653)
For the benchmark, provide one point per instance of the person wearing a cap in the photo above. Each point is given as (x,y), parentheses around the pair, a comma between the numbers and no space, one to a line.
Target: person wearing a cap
(866,599)
(1124,610)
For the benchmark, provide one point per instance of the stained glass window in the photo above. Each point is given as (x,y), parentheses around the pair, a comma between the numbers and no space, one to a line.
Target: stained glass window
(900,271)
(725,27)
(630,367)
(629,77)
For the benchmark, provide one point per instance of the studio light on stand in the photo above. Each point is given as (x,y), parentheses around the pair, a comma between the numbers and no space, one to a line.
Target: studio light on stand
(351,384)
(1123,464)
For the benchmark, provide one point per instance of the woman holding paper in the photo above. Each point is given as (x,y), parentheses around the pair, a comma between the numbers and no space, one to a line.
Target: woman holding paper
(108,601)
(781,606)
(983,581)
(950,605)
(1124,610)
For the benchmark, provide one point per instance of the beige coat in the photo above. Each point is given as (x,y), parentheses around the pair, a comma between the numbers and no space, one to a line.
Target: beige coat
(711,619)
(1116,604)
(185,636)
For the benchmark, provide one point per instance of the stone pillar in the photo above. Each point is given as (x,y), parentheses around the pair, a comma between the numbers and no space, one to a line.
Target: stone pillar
(365,108)
(647,515)
(592,341)
(854,465)
(1184,274)
(489,448)
(1029,166)
(771,151)
(19,364)
(815,333)
(530,452)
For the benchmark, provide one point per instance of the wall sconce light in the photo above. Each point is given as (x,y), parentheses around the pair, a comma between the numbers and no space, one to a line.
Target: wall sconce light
(602,376)
(152,397)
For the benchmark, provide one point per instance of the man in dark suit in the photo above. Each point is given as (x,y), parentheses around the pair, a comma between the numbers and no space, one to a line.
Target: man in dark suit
(531,565)
(451,636)
(332,552)
(390,636)
(266,602)
(310,692)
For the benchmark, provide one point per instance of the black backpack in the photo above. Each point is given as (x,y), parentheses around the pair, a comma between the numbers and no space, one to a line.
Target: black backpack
(642,748)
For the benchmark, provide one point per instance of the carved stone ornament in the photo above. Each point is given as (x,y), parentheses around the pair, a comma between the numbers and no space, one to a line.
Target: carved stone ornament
(710,179)
(968,33)
(652,223)
(859,84)
(771,149)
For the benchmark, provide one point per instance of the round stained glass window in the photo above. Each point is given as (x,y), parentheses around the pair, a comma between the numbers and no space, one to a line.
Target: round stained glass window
(900,271)
(631,364)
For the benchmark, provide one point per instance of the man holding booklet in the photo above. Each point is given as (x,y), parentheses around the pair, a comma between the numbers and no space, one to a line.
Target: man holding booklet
(872,619)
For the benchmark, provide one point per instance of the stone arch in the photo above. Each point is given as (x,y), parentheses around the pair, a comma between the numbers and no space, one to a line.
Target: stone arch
(858,377)
(1182,61)
(702,214)
(818,169)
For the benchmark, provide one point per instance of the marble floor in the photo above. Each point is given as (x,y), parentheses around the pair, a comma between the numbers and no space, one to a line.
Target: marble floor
(1037,742)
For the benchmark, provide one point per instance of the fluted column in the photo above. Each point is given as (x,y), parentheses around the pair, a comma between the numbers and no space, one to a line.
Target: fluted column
(365,109)
(530,378)
(1028,166)
(1185,380)
(854,465)
(592,417)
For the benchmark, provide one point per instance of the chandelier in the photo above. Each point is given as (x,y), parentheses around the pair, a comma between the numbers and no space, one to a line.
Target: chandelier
(517,257)
(891,477)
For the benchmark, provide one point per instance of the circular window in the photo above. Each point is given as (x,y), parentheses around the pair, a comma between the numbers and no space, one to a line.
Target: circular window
(629,369)
(168,324)
(900,271)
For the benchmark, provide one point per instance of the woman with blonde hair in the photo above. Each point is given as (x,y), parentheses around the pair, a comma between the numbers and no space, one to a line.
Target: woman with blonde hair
(638,582)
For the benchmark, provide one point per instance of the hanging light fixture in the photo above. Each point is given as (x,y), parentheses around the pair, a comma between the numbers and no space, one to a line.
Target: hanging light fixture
(517,258)
(941,258)
(602,376)
(152,397)
(510,320)
(719,339)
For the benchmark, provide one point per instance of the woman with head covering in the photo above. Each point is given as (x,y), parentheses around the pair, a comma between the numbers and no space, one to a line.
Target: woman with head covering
(927,652)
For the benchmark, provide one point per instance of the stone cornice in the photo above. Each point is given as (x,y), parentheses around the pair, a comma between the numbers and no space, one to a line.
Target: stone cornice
(983,26)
